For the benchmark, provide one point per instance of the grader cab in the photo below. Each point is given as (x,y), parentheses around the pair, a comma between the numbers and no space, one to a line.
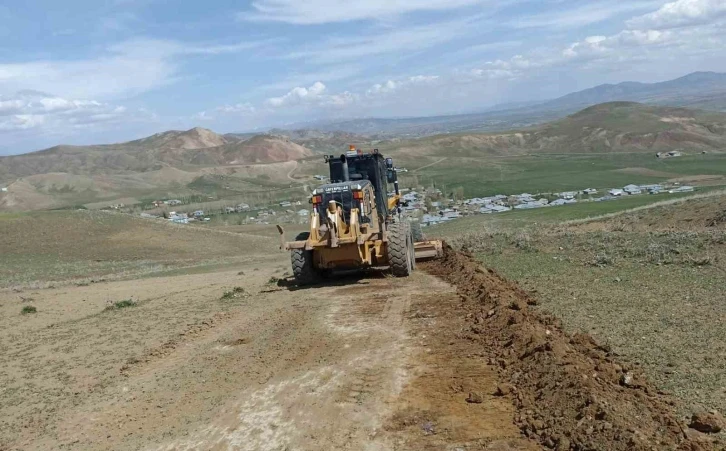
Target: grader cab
(356,223)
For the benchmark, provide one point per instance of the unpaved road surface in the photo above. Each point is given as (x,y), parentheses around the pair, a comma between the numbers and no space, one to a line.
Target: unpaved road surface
(363,363)
(241,361)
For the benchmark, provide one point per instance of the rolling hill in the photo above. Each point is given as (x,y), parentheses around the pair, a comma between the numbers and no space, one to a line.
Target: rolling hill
(609,127)
(196,147)
(177,163)
(166,163)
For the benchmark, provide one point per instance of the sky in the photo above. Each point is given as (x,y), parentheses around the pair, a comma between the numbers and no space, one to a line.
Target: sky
(101,71)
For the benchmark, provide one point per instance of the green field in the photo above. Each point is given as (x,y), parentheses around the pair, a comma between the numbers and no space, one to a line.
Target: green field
(545,173)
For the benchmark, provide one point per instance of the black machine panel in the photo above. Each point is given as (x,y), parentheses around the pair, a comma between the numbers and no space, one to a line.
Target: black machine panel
(371,167)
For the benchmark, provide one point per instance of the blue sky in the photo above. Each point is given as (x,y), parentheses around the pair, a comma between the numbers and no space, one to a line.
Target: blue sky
(93,71)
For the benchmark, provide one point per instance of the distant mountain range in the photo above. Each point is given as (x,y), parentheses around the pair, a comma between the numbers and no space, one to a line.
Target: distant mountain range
(699,90)
(703,90)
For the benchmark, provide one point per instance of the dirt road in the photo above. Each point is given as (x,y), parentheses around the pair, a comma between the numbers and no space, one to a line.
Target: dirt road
(240,360)
(369,363)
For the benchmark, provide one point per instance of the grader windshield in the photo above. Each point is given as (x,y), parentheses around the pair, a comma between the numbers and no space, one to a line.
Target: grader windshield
(358,167)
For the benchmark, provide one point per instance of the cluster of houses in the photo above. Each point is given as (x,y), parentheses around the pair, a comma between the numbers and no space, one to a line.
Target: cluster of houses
(436,212)
(180,217)
(432,207)
(169,202)
(631,190)
(239,208)
(671,154)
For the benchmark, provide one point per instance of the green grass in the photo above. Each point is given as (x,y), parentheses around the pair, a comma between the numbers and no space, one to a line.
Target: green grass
(491,175)
(118,305)
(28,309)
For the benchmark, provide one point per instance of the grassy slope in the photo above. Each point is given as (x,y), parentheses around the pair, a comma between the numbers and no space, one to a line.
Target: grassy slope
(78,245)
(554,173)
(648,282)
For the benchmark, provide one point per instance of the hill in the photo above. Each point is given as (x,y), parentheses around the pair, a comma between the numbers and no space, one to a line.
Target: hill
(197,147)
(165,164)
(262,149)
(325,141)
(609,127)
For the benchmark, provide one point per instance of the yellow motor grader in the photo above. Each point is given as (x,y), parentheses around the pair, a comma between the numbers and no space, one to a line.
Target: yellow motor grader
(356,223)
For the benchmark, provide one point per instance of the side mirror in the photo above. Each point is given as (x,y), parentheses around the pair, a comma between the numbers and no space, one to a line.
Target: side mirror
(391,176)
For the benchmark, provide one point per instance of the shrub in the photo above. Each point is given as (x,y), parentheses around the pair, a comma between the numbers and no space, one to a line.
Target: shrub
(118,305)
(659,254)
(28,309)
(233,293)
(523,241)
(601,260)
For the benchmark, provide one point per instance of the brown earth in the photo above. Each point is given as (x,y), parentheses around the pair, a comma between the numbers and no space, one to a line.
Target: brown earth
(359,364)
(239,359)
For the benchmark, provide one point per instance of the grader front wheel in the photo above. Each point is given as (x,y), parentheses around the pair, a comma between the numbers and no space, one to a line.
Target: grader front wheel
(302,267)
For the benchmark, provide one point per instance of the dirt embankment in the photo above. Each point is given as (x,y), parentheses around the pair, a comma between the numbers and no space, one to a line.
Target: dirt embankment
(569,392)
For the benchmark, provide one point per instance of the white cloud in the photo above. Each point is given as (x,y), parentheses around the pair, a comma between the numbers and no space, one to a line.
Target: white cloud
(582,14)
(356,46)
(36,110)
(239,109)
(682,13)
(618,44)
(327,11)
(297,96)
(127,68)
(315,96)
(392,86)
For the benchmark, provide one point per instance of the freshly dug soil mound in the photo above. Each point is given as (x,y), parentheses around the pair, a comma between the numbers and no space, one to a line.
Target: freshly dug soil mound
(569,391)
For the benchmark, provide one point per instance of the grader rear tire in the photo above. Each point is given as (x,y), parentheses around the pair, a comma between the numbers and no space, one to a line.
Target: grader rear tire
(303,269)
(400,250)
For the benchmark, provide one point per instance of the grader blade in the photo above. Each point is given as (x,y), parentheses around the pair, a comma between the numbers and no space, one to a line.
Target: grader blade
(428,250)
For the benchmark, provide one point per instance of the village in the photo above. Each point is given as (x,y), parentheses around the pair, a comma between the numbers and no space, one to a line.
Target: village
(430,206)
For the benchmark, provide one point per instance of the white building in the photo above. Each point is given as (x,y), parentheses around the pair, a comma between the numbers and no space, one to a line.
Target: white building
(632,189)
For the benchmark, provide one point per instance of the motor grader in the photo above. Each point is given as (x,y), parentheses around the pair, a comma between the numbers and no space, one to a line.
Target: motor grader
(356,223)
